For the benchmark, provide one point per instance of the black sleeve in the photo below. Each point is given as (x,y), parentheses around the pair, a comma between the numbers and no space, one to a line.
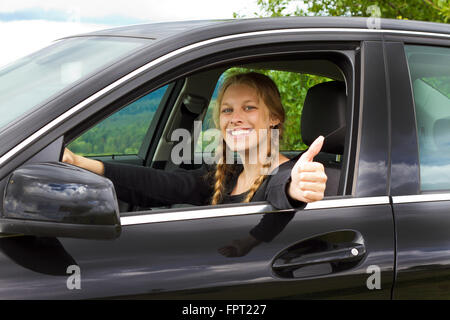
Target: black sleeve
(145,186)
(277,188)
(276,194)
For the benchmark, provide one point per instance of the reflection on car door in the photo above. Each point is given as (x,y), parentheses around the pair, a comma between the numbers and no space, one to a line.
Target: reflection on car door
(160,256)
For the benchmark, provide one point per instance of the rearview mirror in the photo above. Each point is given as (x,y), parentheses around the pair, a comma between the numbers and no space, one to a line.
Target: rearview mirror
(60,200)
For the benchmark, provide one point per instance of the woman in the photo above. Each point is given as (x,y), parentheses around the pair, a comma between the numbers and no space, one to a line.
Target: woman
(248,113)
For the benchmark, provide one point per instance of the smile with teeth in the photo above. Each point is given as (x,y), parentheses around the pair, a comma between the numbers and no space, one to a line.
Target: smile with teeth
(239,132)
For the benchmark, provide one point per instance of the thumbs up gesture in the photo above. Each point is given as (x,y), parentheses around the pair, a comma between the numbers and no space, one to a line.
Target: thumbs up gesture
(308,178)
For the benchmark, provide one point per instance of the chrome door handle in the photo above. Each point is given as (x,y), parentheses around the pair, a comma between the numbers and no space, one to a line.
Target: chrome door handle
(342,253)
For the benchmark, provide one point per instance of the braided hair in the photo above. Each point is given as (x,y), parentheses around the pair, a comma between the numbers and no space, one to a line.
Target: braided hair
(268,91)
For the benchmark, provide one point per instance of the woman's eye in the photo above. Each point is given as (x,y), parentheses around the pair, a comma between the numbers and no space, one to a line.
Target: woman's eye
(249,107)
(227,110)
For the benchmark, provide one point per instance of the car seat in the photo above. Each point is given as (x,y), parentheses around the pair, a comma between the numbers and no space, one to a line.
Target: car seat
(324,113)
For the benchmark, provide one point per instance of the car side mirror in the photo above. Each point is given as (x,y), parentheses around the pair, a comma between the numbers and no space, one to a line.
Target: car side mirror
(56,199)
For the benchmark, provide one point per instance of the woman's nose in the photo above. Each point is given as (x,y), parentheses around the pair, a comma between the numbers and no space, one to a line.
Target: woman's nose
(236,117)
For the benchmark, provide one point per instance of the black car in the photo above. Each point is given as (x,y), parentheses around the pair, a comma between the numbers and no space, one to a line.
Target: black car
(380,96)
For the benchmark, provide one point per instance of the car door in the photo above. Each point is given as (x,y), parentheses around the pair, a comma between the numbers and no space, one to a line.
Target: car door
(341,247)
(420,102)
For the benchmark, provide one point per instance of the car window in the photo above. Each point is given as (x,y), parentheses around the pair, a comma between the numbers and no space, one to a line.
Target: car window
(293,88)
(123,132)
(119,135)
(31,80)
(430,76)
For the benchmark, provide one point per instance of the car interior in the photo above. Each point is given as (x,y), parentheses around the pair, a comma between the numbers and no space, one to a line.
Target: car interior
(324,113)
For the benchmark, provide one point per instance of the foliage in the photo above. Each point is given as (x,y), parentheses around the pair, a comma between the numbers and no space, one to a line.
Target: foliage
(276,8)
(441,84)
(121,133)
(424,10)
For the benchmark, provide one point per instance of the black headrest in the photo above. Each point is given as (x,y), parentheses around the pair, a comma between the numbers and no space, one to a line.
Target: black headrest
(324,114)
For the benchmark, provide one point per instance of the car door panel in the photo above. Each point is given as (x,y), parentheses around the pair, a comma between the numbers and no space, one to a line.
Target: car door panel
(423,267)
(180,259)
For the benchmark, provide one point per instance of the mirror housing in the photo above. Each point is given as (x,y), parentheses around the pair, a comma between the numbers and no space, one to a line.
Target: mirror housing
(55,199)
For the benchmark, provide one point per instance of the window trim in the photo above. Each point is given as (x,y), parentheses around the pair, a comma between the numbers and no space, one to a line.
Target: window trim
(230,210)
(421,198)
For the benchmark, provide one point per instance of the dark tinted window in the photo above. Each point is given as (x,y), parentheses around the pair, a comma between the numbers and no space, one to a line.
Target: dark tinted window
(430,76)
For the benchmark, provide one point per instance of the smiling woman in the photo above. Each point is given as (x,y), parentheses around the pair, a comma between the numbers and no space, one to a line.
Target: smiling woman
(248,113)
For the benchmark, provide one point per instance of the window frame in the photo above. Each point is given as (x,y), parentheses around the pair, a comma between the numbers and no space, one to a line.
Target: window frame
(346,57)
(101,108)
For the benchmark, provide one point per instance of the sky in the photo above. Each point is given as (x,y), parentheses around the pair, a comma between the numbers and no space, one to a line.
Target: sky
(28,25)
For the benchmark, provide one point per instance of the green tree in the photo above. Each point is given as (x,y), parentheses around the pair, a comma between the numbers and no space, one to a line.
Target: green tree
(424,10)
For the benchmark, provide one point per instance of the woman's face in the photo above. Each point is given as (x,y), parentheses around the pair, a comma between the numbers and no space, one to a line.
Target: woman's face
(244,118)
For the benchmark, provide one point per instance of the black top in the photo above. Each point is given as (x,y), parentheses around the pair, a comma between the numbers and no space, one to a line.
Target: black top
(147,187)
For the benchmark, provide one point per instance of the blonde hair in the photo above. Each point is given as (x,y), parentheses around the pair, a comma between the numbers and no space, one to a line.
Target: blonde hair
(267,90)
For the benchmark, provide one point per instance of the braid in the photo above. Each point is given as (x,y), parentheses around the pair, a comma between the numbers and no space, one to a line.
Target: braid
(219,178)
(266,167)
(258,182)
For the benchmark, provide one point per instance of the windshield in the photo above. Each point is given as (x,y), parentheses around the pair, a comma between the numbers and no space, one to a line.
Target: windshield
(31,80)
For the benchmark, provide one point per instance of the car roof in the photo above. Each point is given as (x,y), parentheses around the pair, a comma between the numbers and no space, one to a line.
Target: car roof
(154,31)
(164,30)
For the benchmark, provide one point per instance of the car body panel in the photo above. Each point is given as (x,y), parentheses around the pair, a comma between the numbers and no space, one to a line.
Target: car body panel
(160,260)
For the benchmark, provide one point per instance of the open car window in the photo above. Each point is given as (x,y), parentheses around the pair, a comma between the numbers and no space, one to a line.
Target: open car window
(194,103)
